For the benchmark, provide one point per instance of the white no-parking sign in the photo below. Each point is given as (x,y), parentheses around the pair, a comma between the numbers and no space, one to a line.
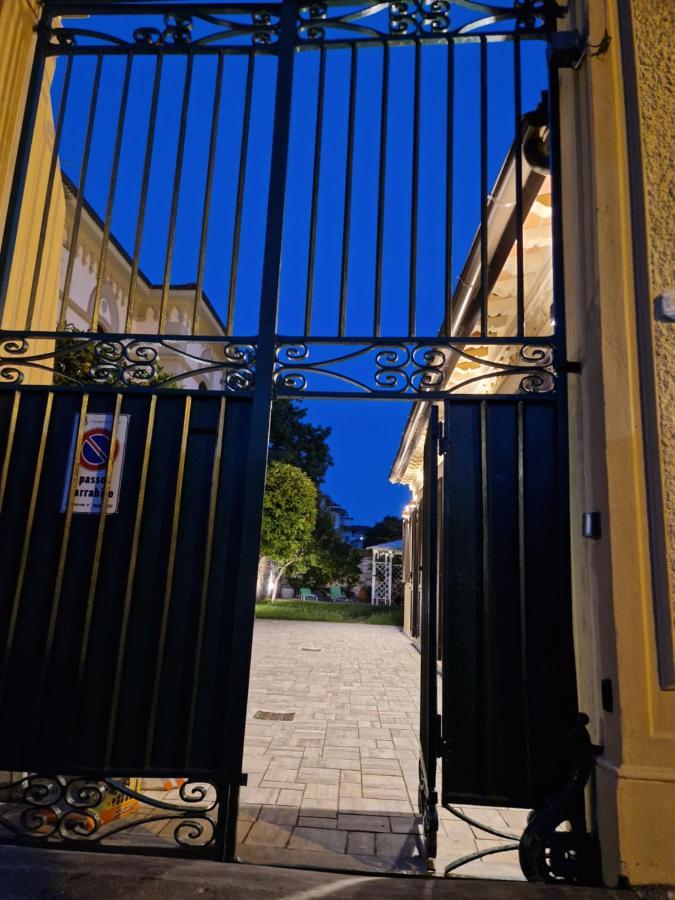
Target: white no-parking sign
(94,455)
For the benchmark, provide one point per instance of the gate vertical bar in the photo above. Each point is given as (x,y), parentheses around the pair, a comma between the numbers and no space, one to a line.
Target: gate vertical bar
(208,187)
(252,508)
(112,190)
(484,271)
(241,186)
(79,201)
(429,731)
(449,175)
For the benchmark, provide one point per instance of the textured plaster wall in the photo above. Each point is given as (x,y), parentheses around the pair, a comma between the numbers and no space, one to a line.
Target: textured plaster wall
(17,18)
(633,793)
(654,30)
(17,23)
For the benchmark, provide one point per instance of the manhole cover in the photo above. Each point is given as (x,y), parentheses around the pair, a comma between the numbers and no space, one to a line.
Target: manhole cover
(274,716)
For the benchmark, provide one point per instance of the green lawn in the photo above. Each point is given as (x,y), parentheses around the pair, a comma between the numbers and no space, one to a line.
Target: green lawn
(307,611)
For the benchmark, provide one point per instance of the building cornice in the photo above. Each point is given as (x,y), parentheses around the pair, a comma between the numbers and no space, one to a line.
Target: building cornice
(467,296)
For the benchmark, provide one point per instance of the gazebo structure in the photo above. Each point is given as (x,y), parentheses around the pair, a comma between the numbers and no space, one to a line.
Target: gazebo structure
(387,574)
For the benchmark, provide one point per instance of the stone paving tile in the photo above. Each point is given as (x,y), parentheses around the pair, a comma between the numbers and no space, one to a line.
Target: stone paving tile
(316,822)
(349,776)
(278,815)
(338,762)
(318,839)
(516,819)
(455,829)
(341,752)
(363,823)
(376,780)
(260,795)
(351,789)
(321,792)
(385,793)
(379,754)
(318,808)
(361,843)
(253,779)
(269,834)
(243,828)
(255,765)
(374,805)
(395,844)
(381,766)
(311,775)
(290,798)
(486,815)
(281,773)
(339,782)
(403,824)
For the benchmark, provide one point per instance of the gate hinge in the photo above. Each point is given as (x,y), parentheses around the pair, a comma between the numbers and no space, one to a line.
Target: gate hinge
(567,49)
(440,740)
(572,367)
(443,439)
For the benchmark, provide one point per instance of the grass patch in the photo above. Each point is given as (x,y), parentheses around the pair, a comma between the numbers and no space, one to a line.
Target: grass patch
(307,611)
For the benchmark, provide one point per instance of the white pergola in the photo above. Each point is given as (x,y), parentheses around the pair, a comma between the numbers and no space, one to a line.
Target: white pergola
(387,574)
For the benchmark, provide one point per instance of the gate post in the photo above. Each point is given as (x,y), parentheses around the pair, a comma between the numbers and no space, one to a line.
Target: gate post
(252,509)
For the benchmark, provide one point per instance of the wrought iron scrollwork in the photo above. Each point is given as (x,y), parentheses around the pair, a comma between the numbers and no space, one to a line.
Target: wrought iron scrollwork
(420,18)
(427,804)
(549,854)
(177,30)
(41,808)
(402,369)
(74,359)
(200,28)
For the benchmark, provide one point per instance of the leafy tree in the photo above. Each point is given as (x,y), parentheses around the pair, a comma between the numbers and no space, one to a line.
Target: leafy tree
(294,441)
(325,558)
(289,518)
(388,529)
(75,357)
(331,560)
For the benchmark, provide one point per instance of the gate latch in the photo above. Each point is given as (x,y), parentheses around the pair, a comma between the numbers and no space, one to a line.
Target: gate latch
(567,49)
(443,439)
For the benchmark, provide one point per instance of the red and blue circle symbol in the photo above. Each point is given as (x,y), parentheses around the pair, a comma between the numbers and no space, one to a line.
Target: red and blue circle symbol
(96,449)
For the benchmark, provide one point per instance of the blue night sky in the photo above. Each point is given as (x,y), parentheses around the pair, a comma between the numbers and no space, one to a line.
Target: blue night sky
(365,433)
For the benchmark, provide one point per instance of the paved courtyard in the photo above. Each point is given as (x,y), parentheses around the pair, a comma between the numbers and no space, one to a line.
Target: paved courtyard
(332,753)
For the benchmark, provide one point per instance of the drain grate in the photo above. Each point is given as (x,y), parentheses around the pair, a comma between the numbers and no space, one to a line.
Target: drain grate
(274,716)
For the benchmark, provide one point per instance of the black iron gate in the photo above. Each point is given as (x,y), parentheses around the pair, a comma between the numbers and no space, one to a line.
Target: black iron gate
(507,729)
(215,205)
(117,630)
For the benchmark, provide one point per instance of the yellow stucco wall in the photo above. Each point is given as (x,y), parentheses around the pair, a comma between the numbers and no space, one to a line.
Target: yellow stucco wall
(17,20)
(615,632)
(654,32)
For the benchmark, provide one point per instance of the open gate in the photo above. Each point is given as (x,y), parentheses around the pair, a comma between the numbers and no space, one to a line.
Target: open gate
(217,204)
(496,622)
